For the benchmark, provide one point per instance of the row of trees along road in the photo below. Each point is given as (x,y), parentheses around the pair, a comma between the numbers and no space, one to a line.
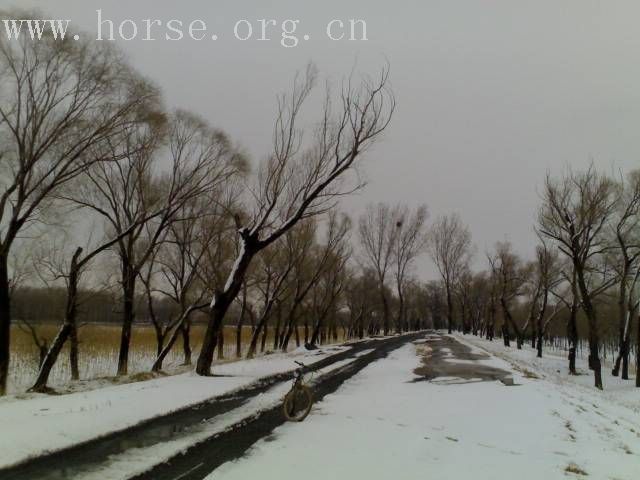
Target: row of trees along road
(581,283)
(84,136)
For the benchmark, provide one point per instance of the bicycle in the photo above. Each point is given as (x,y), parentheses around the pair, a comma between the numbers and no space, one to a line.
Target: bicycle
(297,403)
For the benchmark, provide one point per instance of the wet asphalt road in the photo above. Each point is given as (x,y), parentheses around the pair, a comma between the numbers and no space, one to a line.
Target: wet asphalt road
(446,360)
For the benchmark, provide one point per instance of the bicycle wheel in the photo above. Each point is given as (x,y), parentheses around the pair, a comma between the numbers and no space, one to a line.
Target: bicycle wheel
(297,403)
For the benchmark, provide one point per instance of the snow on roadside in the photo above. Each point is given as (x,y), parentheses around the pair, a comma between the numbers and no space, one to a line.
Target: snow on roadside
(47,423)
(554,368)
(383,424)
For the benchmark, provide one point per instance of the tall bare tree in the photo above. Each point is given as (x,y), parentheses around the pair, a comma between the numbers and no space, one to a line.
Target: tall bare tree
(332,280)
(625,225)
(200,160)
(547,274)
(296,182)
(410,241)
(274,267)
(59,101)
(449,245)
(511,275)
(378,232)
(68,330)
(574,213)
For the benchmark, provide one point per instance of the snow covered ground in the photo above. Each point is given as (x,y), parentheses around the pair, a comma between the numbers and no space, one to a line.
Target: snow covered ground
(554,367)
(44,423)
(387,422)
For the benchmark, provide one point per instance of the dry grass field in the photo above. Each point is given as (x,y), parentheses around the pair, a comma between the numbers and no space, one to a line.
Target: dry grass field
(99,345)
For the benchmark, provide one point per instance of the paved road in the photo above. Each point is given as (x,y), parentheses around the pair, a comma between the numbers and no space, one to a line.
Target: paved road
(198,461)
(436,363)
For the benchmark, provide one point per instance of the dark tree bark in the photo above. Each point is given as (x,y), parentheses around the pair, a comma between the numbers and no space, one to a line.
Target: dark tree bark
(128,315)
(186,341)
(506,334)
(222,301)
(263,342)
(572,336)
(220,344)
(240,324)
(178,330)
(449,309)
(261,329)
(594,334)
(73,351)
(65,331)
(5,322)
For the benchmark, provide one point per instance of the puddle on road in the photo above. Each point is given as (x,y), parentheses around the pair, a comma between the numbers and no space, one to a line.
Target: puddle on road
(440,356)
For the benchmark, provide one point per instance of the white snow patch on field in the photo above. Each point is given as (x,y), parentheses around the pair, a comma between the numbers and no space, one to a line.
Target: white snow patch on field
(381,425)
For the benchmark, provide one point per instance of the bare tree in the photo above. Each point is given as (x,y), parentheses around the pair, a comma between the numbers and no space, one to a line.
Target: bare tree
(463,292)
(625,224)
(275,265)
(332,280)
(449,245)
(574,212)
(68,329)
(295,182)
(181,262)
(358,300)
(201,158)
(410,241)
(547,273)
(511,275)
(378,231)
(313,261)
(59,100)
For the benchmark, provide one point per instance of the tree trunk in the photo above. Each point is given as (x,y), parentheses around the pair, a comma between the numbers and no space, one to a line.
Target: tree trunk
(263,342)
(401,314)
(287,336)
(539,345)
(449,309)
(221,303)
(66,330)
(220,345)
(178,330)
(622,321)
(506,335)
(240,324)
(5,323)
(73,350)
(276,333)
(50,358)
(159,338)
(594,340)
(625,359)
(186,341)
(129,291)
(385,310)
(256,335)
(260,328)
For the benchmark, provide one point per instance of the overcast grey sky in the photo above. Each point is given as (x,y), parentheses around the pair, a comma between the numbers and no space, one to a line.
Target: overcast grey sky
(491,94)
